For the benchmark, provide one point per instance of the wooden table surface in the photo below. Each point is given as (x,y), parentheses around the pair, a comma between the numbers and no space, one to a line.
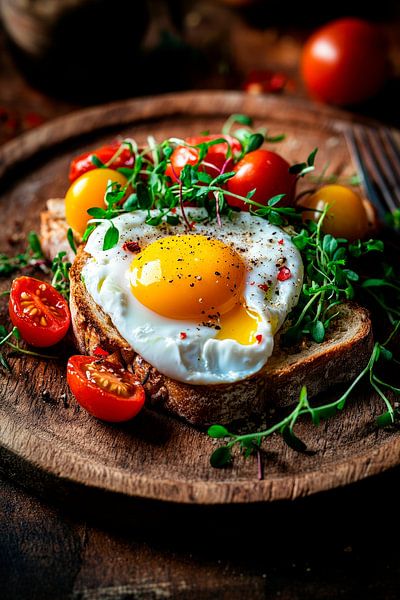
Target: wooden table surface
(342,544)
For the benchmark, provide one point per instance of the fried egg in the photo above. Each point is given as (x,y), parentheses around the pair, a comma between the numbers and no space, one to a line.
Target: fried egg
(201,307)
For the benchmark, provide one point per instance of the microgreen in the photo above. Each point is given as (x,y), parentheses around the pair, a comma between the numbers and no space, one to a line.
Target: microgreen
(249,443)
(32,257)
(60,268)
(12,340)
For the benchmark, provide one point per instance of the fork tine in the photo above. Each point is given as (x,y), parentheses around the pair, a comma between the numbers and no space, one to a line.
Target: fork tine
(372,153)
(392,148)
(367,182)
(385,157)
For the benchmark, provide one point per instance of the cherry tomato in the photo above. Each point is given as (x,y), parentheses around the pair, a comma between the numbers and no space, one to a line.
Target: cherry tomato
(346,216)
(264,82)
(87,192)
(106,390)
(344,62)
(213,161)
(39,311)
(267,173)
(84,163)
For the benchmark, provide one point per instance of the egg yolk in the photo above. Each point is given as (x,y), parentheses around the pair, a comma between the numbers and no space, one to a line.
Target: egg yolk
(188,277)
(240,324)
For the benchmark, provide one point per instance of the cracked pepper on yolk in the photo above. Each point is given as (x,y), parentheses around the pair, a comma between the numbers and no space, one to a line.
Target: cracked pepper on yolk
(195,277)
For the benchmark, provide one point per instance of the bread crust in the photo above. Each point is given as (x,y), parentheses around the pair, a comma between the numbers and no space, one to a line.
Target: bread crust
(318,366)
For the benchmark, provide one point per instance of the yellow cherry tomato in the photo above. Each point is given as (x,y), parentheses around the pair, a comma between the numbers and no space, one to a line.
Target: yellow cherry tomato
(87,192)
(346,216)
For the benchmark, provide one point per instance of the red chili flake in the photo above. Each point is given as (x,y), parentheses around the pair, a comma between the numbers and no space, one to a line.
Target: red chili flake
(280,242)
(131,247)
(192,225)
(263,287)
(100,352)
(183,335)
(173,210)
(284,274)
(253,283)
(259,338)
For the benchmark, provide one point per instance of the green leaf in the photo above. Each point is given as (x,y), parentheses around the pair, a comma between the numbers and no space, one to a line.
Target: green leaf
(242,119)
(329,244)
(351,275)
(297,168)
(387,418)
(154,221)
(71,241)
(311,157)
(292,440)
(301,240)
(387,354)
(275,199)
(275,138)
(97,213)
(16,333)
(217,431)
(221,457)
(373,283)
(172,219)
(96,161)
(88,231)
(126,171)
(318,331)
(275,218)
(254,142)
(4,363)
(3,332)
(111,237)
(34,244)
(221,179)
(143,196)
(325,412)
(131,203)
(375,245)
(204,177)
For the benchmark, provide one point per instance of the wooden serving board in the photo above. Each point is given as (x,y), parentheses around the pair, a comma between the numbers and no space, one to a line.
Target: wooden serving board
(47,441)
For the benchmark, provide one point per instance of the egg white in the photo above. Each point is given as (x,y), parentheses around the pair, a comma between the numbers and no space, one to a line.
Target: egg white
(199,358)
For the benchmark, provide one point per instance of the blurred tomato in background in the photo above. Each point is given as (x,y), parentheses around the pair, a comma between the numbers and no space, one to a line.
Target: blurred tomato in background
(345,62)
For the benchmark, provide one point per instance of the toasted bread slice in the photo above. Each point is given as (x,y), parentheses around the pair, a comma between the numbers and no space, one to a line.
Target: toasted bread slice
(318,366)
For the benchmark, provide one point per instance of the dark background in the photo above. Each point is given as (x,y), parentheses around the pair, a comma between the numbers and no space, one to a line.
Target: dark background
(343,544)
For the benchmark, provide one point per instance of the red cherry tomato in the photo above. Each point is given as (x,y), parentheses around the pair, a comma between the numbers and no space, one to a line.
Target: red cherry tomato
(212,162)
(344,62)
(267,173)
(106,390)
(39,311)
(83,163)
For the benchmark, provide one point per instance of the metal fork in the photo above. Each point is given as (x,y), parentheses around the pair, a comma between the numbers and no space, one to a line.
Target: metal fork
(376,154)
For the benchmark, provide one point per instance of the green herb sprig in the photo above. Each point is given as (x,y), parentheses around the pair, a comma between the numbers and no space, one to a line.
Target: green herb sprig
(12,340)
(249,443)
(32,257)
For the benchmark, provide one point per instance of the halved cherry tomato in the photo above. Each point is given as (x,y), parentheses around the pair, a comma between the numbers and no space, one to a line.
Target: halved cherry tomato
(39,311)
(266,172)
(83,163)
(345,62)
(346,217)
(212,162)
(87,192)
(106,390)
